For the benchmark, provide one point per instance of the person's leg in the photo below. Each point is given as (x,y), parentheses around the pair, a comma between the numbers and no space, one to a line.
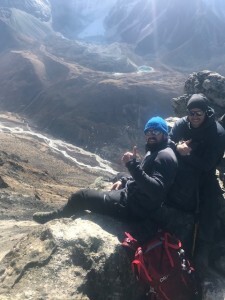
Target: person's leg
(112,203)
(209,195)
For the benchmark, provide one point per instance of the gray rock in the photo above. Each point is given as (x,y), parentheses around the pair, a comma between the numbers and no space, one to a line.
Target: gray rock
(69,259)
(209,83)
(80,259)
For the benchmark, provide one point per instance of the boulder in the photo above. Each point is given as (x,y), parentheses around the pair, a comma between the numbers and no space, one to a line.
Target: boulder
(211,84)
(80,259)
(69,259)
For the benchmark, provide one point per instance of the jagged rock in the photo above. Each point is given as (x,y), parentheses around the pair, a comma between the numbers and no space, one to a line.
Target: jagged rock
(209,83)
(69,259)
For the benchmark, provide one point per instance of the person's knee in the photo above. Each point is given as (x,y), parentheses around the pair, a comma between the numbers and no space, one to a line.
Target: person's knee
(76,200)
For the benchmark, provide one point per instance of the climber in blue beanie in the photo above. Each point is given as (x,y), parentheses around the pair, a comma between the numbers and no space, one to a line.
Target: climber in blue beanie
(156,123)
(134,197)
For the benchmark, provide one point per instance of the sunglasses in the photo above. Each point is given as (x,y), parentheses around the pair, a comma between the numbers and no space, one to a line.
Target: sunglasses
(195,113)
(153,132)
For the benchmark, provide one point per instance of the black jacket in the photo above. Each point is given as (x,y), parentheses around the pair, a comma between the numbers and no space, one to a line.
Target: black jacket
(151,180)
(208,142)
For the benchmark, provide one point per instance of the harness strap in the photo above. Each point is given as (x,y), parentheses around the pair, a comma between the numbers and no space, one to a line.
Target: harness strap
(137,265)
(168,245)
(130,242)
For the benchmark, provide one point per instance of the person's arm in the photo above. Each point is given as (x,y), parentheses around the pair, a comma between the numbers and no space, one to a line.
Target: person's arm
(208,160)
(158,179)
(177,131)
(116,185)
(213,151)
(120,180)
(183,148)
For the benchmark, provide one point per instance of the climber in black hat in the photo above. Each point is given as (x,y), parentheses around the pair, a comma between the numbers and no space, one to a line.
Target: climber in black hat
(200,142)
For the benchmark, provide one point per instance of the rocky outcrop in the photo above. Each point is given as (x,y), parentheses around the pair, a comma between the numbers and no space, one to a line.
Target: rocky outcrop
(69,259)
(207,82)
(81,259)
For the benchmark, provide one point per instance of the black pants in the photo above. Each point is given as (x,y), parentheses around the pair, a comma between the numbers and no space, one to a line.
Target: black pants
(209,193)
(112,203)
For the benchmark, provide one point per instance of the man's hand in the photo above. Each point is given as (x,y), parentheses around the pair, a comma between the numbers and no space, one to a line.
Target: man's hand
(116,185)
(128,156)
(183,148)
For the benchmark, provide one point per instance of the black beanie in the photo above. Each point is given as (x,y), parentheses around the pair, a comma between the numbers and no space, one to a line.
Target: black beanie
(198,101)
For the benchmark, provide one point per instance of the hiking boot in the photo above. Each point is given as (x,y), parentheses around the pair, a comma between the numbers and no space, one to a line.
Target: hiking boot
(44,217)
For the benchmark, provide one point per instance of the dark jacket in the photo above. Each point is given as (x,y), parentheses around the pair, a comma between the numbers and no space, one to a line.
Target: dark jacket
(151,180)
(208,142)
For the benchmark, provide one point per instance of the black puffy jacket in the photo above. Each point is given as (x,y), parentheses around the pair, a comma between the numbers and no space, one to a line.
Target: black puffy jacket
(151,180)
(208,142)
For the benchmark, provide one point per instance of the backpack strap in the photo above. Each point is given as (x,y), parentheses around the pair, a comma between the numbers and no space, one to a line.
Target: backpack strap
(168,245)
(176,246)
(130,242)
(138,265)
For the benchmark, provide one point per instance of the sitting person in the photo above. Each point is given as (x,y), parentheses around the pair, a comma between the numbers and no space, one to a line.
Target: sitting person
(137,196)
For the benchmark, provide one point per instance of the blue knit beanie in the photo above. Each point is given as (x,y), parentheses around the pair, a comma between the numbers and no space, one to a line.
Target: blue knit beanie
(156,123)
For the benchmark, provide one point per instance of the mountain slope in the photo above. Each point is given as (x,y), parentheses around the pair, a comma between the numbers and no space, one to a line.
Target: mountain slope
(100,111)
(99,95)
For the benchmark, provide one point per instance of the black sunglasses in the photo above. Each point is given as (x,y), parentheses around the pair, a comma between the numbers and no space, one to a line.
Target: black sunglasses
(153,132)
(195,113)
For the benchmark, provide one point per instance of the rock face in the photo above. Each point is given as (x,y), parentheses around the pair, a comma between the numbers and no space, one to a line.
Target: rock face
(209,83)
(69,259)
(81,259)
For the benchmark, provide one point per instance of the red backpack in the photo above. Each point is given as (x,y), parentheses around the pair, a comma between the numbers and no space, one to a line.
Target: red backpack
(162,268)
